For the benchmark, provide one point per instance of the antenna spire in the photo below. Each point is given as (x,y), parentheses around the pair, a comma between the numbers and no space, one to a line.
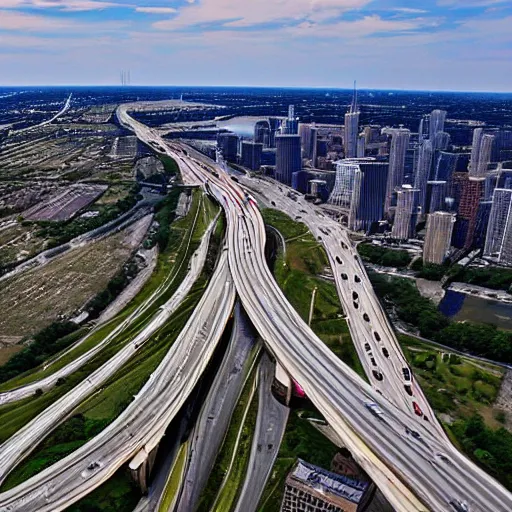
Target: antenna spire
(353,108)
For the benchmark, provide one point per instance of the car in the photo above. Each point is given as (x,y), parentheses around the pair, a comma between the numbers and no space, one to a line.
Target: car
(413,433)
(442,457)
(377,375)
(298,217)
(367,347)
(344,245)
(344,277)
(366,318)
(408,389)
(458,505)
(357,279)
(93,465)
(339,260)
(319,238)
(272,203)
(376,335)
(417,409)
(303,211)
(385,352)
(356,257)
(406,373)
(355,295)
(373,361)
(356,305)
(374,409)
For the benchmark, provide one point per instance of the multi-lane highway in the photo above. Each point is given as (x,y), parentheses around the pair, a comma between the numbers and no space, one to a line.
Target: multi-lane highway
(416,472)
(142,424)
(375,340)
(270,426)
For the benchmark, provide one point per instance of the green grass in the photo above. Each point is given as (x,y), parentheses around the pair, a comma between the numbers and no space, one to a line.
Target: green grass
(118,494)
(173,483)
(296,273)
(454,385)
(243,419)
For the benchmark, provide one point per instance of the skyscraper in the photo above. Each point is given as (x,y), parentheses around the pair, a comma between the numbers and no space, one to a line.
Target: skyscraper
(251,155)
(498,242)
(308,137)
(288,157)
(480,153)
(352,128)
(290,125)
(467,211)
(406,215)
(227,143)
(441,141)
(425,156)
(341,194)
(445,166)
(437,192)
(399,145)
(436,124)
(361,146)
(360,187)
(438,237)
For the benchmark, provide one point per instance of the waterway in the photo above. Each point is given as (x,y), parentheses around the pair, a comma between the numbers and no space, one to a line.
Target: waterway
(463,307)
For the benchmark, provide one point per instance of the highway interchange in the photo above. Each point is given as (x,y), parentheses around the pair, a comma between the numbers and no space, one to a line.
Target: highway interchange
(414,474)
(408,457)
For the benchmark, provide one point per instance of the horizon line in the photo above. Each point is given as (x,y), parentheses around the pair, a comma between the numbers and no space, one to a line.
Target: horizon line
(291,87)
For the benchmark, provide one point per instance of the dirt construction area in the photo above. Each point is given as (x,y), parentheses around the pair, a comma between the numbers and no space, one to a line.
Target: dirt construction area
(33,299)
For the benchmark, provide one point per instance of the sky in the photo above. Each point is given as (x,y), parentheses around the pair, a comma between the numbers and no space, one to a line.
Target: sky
(384,44)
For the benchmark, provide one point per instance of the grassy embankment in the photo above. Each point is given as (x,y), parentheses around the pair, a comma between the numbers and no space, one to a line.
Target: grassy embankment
(172,267)
(296,273)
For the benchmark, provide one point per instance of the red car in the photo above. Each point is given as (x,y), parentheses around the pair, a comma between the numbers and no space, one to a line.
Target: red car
(417,409)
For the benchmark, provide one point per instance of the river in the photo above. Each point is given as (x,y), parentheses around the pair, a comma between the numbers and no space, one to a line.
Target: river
(460,306)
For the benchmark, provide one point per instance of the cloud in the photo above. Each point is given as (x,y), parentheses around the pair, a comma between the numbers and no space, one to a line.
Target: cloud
(156,10)
(469,3)
(63,5)
(243,13)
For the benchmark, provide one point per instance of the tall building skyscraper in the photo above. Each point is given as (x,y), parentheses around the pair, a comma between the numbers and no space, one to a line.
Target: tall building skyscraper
(498,242)
(251,155)
(438,237)
(425,156)
(290,126)
(308,137)
(361,146)
(436,124)
(227,143)
(441,141)
(399,145)
(437,192)
(480,153)
(471,193)
(406,215)
(343,189)
(445,166)
(288,157)
(364,180)
(352,128)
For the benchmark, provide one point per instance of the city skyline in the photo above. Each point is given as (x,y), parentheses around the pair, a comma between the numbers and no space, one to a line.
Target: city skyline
(384,43)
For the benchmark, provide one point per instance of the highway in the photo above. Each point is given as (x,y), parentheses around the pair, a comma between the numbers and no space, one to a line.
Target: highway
(376,343)
(420,472)
(61,112)
(137,431)
(208,434)
(270,427)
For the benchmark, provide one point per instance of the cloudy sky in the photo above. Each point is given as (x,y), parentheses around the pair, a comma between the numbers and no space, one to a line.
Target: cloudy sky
(402,44)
